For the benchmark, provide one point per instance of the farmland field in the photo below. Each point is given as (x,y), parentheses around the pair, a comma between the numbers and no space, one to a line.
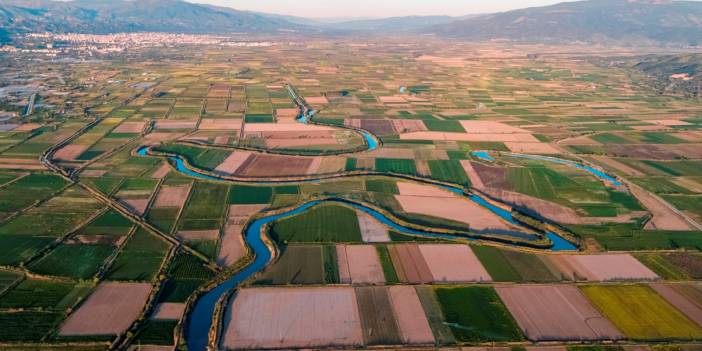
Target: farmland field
(322,223)
(639,313)
(476,314)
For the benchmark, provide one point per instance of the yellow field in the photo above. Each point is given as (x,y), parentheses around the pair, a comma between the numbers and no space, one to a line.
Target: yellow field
(639,313)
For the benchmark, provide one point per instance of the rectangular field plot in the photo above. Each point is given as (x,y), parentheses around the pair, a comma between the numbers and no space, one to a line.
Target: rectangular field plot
(292,318)
(79,261)
(205,208)
(641,314)
(27,325)
(606,267)
(322,223)
(377,318)
(555,312)
(359,264)
(297,265)
(685,297)
(29,189)
(185,274)
(140,258)
(453,263)
(476,314)
(412,323)
(109,310)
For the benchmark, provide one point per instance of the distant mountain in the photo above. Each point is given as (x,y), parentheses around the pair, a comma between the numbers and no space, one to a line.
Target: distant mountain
(676,74)
(627,21)
(109,16)
(392,24)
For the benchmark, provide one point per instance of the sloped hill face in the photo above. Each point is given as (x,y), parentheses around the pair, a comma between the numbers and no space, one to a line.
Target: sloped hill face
(103,16)
(639,21)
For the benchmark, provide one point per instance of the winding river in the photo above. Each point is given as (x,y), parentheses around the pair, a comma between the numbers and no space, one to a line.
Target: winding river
(198,322)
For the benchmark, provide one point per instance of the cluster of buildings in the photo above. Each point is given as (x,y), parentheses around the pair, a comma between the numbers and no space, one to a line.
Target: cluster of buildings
(51,44)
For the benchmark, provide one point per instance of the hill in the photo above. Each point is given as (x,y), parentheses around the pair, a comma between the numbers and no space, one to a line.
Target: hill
(627,21)
(109,16)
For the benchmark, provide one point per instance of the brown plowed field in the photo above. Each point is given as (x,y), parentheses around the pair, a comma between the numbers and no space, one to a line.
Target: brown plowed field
(453,263)
(137,206)
(359,264)
(292,318)
(447,136)
(172,196)
(409,264)
(408,126)
(378,126)
(685,297)
(232,247)
(555,313)
(409,315)
(109,310)
(664,218)
(377,319)
(532,148)
(274,166)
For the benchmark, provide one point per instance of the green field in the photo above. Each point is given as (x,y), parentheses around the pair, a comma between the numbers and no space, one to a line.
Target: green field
(476,314)
(297,265)
(140,259)
(79,261)
(394,165)
(36,293)
(185,274)
(658,263)
(449,171)
(326,223)
(205,208)
(241,194)
(641,314)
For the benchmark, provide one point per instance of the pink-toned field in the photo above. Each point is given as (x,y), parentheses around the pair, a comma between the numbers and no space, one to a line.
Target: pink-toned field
(532,148)
(473,175)
(433,201)
(453,263)
(70,152)
(317,100)
(409,315)
(232,163)
(609,267)
(130,127)
(685,297)
(232,247)
(137,206)
(287,112)
(292,318)
(199,234)
(168,311)
(164,124)
(161,171)
(220,124)
(172,196)
(372,231)
(392,99)
(359,264)
(555,312)
(109,310)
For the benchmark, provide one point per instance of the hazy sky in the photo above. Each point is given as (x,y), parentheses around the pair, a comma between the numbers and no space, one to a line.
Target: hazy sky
(375,8)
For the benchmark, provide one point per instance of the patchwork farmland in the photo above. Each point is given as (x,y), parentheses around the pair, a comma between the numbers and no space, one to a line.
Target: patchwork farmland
(415,195)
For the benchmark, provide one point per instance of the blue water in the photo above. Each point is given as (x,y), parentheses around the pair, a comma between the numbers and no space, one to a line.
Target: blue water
(594,171)
(483,155)
(371,141)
